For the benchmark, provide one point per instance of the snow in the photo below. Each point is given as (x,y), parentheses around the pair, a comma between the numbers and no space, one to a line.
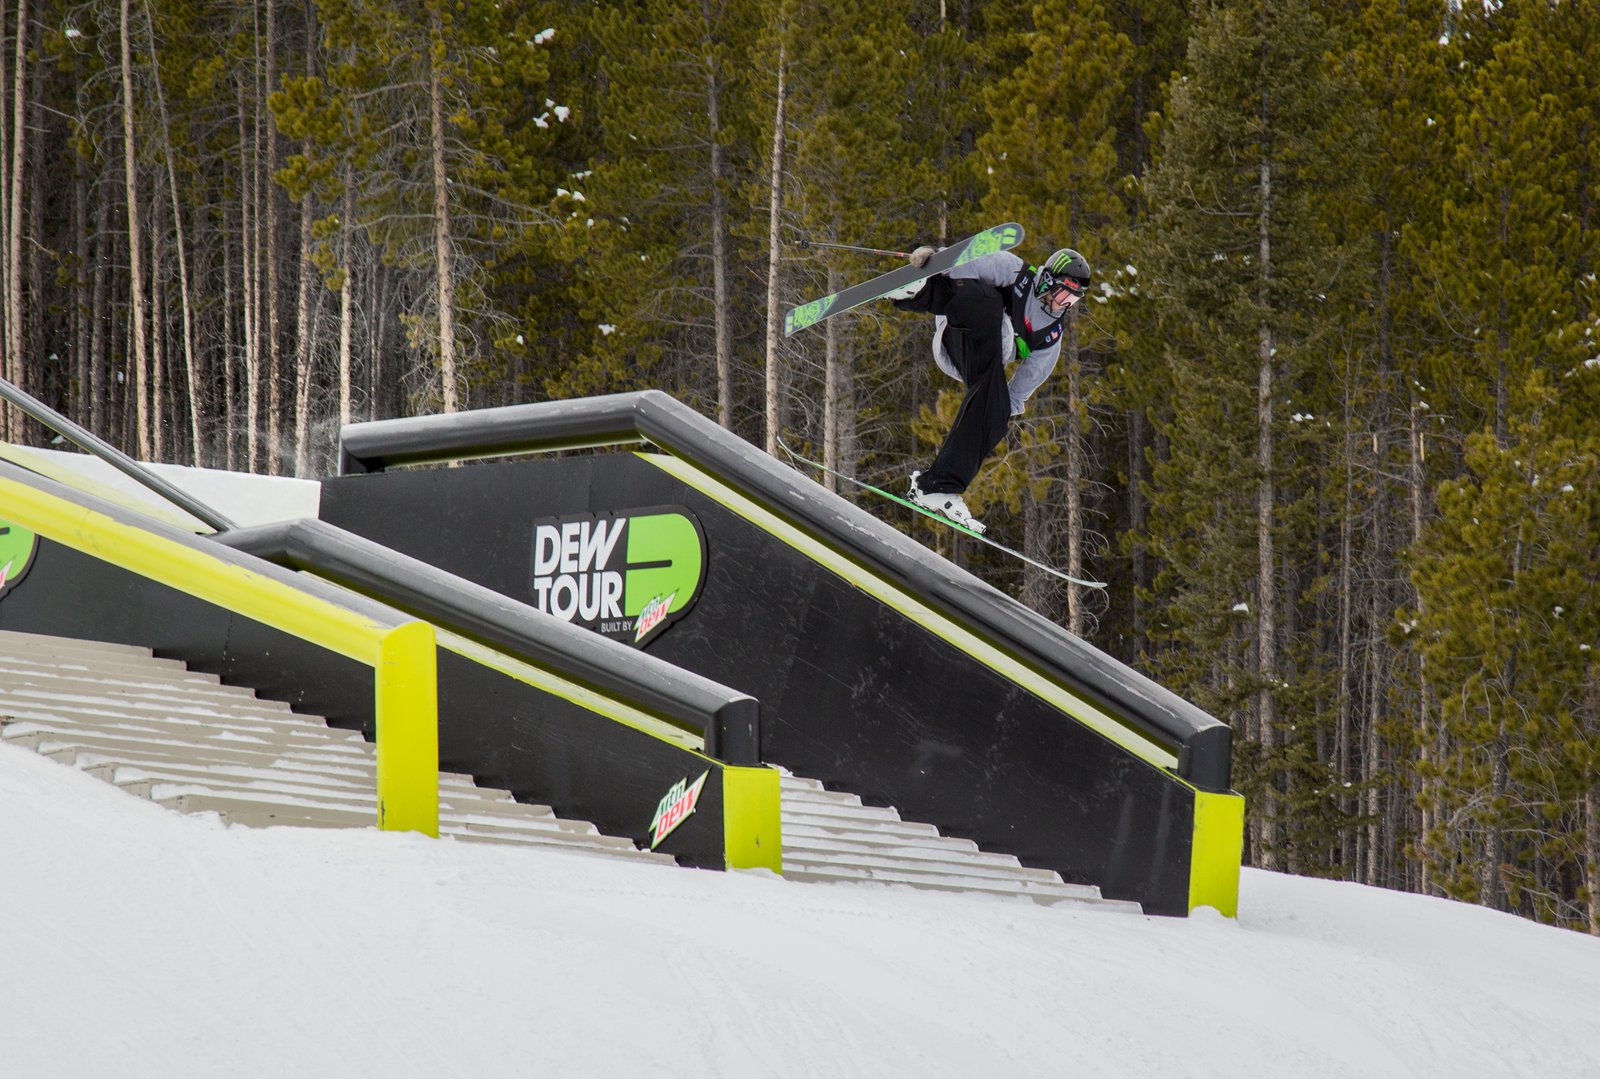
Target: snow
(245,500)
(146,943)
(139,942)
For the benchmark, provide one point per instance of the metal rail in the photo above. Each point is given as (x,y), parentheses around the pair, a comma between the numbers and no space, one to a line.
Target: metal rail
(89,442)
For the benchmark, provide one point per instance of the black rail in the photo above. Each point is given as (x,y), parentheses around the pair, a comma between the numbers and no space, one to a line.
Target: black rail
(90,442)
(730,721)
(1201,742)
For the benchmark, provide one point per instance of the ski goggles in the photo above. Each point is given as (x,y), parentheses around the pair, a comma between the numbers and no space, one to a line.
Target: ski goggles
(1062,296)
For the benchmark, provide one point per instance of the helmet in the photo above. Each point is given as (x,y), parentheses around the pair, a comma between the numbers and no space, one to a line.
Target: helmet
(1064,269)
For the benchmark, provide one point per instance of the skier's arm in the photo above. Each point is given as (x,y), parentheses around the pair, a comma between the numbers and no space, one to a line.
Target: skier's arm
(1030,374)
(998,268)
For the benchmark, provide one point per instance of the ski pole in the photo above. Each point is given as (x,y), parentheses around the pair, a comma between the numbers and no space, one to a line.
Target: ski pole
(853,247)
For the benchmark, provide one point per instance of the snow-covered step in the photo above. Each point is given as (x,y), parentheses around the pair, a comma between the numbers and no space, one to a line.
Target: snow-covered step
(187,741)
(830,836)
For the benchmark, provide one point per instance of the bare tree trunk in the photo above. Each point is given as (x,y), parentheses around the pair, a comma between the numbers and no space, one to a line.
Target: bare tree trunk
(15,342)
(721,306)
(10,418)
(271,225)
(158,325)
(346,313)
(831,391)
(380,338)
(1075,407)
(1432,724)
(1136,521)
(99,375)
(250,309)
(1346,614)
(1035,538)
(304,359)
(1266,587)
(230,378)
(774,263)
(197,419)
(82,399)
(1591,854)
(443,248)
(136,284)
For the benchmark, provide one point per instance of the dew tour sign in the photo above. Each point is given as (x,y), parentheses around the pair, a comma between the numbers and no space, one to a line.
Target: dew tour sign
(627,576)
(16,554)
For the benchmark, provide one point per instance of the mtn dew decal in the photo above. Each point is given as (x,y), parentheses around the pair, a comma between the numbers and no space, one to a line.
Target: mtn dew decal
(627,576)
(675,807)
(17,545)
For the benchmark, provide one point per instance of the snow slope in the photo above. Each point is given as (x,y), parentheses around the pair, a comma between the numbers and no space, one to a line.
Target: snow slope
(138,942)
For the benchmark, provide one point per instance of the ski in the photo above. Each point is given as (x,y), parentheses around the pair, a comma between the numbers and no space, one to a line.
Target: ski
(987,242)
(942,519)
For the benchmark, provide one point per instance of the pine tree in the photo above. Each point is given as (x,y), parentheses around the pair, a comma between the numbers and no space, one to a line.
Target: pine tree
(1051,160)
(1232,262)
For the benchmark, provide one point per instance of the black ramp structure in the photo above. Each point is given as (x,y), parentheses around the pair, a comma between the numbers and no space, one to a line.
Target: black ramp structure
(882,669)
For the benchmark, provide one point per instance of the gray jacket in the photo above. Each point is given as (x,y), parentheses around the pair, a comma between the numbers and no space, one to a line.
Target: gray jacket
(1002,269)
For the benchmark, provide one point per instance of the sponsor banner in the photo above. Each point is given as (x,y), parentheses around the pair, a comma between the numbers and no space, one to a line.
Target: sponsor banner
(675,807)
(17,546)
(626,576)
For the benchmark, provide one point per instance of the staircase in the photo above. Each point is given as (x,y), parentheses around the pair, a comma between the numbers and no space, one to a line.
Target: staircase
(185,741)
(829,836)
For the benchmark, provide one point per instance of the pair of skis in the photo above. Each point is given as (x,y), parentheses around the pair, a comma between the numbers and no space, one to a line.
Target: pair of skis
(1000,238)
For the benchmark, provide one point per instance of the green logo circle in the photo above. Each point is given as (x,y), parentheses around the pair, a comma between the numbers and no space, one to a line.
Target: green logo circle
(17,545)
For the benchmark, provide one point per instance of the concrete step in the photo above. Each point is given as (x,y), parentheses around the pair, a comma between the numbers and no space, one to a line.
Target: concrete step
(189,742)
(932,851)
(460,788)
(11,638)
(174,702)
(162,724)
(1038,892)
(351,790)
(268,767)
(189,689)
(135,740)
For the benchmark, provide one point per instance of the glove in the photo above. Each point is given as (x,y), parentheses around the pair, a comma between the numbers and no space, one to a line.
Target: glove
(921,255)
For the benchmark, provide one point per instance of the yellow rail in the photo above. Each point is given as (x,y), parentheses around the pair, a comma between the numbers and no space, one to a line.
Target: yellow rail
(403,656)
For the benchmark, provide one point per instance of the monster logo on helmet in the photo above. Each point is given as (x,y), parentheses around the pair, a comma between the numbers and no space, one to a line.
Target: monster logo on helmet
(1064,269)
(16,554)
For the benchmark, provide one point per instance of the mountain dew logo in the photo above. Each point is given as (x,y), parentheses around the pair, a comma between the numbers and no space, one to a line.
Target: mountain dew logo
(989,241)
(16,554)
(675,807)
(626,576)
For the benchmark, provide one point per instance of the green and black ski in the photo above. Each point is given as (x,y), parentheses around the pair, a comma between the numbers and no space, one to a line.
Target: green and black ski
(942,519)
(987,242)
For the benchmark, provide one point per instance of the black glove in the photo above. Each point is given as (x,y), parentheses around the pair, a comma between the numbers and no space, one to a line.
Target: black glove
(921,255)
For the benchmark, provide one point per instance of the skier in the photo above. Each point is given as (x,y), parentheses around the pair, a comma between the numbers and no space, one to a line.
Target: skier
(988,311)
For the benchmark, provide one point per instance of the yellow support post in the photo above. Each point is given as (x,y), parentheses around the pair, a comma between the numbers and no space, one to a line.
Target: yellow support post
(1218,849)
(751,832)
(408,730)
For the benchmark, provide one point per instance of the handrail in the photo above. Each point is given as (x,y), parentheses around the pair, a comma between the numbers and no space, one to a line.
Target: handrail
(89,442)
(1203,743)
(400,651)
(729,720)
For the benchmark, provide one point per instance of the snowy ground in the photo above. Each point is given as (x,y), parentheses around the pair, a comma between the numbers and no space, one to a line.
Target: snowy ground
(138,942)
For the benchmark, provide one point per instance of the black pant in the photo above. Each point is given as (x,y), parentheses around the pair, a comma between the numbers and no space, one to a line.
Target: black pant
(972,338)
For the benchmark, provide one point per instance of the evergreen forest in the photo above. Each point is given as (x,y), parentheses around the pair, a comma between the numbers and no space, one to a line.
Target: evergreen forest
(1326,424)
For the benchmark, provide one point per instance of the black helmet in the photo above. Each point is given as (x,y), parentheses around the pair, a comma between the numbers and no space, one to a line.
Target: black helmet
(1066,268)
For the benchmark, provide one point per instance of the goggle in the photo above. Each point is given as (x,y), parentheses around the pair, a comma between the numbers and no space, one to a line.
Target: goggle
(1062,296)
